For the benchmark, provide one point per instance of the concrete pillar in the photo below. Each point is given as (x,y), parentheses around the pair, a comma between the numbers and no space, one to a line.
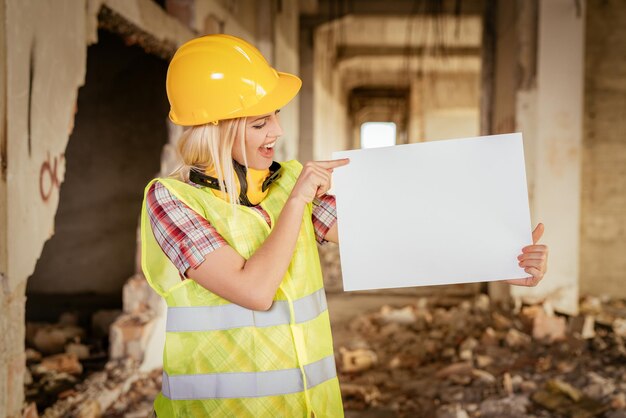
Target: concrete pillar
(331,130)
(286,58)
(3,151)
(416,111)
(305,146)
(538,90)
(603,229)
(557,149)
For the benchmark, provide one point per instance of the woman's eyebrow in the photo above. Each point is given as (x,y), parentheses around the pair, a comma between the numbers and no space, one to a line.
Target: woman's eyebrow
(262,117)
(267,116)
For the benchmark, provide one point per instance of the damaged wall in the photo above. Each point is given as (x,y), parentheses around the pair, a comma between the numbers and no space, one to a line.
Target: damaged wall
(115,147)
(44,65)
(43,55)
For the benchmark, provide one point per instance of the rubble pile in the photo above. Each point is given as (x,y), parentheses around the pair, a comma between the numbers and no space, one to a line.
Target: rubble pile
(466,358)
(120,390)
(61,354)
(441,357)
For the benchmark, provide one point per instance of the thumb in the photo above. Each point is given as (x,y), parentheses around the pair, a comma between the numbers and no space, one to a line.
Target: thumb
(538,232)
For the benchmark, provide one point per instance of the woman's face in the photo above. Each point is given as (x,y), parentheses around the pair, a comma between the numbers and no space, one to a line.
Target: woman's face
(261,134)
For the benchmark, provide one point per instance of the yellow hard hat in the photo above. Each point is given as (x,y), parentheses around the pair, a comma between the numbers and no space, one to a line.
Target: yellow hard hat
(217,77)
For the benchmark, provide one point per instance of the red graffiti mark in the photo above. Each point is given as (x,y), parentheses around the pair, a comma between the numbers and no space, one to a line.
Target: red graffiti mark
(48,177)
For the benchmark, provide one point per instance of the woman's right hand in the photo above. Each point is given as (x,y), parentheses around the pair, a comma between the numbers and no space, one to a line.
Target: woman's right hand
(252,282)
(315,179)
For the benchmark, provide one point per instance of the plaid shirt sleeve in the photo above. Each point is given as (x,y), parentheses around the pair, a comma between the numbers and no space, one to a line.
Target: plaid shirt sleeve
(324,216)
(183,235)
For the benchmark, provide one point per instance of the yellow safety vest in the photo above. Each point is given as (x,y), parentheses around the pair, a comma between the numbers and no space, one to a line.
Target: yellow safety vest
(221,359)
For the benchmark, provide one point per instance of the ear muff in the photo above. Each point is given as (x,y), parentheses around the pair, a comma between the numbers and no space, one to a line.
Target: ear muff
(252,184)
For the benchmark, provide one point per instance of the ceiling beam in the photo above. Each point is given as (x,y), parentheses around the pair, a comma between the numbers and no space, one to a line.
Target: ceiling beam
(347,52)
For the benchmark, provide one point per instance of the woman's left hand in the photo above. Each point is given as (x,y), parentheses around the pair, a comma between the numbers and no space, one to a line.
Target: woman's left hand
(534,259)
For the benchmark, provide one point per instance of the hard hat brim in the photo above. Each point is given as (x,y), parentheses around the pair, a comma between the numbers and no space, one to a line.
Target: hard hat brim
(286,89)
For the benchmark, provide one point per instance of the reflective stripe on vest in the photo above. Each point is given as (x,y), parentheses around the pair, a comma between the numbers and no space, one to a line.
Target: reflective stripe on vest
(223,317)
(247,384)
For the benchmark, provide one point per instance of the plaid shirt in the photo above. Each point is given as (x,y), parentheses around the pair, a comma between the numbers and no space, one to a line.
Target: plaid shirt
(186,237)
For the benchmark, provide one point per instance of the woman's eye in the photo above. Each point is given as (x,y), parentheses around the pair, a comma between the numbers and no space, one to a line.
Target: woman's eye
(259,126)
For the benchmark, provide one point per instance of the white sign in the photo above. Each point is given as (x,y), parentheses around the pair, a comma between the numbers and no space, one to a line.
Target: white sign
(443,212)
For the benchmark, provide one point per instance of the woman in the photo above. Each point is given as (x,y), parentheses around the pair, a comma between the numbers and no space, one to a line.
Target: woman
(229,240)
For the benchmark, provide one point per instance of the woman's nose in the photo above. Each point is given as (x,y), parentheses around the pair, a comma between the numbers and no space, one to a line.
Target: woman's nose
(275,130)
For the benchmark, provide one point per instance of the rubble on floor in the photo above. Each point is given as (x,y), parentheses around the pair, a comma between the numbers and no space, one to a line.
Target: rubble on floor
(120,390)
(441,358)
(58,357)
(437,358)
(63,354)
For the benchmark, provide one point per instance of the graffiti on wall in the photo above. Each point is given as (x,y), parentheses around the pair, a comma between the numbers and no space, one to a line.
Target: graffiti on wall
(49,176)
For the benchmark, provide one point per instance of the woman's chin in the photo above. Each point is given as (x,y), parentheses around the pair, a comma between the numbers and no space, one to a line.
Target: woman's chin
(259,165)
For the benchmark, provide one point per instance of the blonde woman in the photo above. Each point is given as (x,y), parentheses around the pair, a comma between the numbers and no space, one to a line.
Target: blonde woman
(229,240)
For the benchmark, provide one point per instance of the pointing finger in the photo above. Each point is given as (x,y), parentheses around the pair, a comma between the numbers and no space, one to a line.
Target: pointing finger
(333,163)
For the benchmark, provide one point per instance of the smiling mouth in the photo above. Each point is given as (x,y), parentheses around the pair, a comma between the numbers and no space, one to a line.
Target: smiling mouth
(269,146)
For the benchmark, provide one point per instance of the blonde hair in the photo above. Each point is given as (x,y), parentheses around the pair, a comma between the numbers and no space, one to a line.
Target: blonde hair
(209,147)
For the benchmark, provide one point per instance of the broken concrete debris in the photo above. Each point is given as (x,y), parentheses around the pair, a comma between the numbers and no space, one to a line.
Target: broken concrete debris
(59,363)
(429,359)
(474,359)
(52,338)
(357,360)
(562,398)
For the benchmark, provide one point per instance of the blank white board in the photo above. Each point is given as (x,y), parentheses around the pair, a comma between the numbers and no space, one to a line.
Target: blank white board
(453,211)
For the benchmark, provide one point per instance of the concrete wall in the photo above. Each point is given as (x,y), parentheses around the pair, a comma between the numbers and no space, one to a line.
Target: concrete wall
(603,220)
(236,17)
(450,105)
(40,97)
